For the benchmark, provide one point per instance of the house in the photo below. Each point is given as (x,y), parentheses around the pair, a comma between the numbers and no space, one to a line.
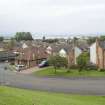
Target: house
(21,45)
(30,56)
(63,52)
(97,54)
(71,52)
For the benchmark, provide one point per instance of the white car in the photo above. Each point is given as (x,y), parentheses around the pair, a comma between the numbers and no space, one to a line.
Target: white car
(19,67)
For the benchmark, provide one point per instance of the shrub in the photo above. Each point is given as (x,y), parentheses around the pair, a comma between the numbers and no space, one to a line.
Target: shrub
(91,67)
(83,60)
(57,61)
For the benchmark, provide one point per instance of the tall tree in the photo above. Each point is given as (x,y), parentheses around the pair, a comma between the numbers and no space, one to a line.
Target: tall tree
(28,36)
(10,44)
(23,36)
(91,40)
(102,37)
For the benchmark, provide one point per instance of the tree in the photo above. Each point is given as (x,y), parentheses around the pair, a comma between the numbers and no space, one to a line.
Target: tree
(83,60)
(23,36)
(28,36)
(91,40)
(56,61)
(11,44)
(102,38)
(1,38)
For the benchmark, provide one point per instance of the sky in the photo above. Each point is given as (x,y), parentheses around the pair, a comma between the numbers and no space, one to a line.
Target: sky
(52,17)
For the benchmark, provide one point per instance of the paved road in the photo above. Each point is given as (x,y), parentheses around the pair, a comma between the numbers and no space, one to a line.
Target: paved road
(83,86)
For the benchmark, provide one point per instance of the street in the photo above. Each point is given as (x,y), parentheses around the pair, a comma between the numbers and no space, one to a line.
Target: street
(84,86)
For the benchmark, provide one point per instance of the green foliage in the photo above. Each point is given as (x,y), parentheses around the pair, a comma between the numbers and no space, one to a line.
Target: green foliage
(1,38)
(11,44)
(23,36)
(83,60)
(102,38)
(57,61)
(91,40)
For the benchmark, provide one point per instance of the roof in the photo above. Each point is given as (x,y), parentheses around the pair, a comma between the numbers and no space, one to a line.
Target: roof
(57,47)
(32,53)
(83,47)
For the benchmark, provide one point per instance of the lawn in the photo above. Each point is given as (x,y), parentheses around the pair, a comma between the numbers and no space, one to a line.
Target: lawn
(14,96)
(73,73)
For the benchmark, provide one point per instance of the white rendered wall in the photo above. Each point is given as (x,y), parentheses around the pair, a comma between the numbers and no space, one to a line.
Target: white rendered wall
(62,53)
(93,53)
(24,46)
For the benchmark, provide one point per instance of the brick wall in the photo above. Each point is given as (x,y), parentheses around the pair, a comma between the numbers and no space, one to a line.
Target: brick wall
(71,58)
(100,56)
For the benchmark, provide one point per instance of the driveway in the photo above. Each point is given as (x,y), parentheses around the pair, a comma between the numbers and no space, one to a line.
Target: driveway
(30,70)
(85,86)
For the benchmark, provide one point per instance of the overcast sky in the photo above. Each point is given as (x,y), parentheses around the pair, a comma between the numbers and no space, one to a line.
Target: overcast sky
(52,16)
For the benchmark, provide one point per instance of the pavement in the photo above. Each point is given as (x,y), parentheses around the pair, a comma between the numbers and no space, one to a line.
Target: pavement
(83,86)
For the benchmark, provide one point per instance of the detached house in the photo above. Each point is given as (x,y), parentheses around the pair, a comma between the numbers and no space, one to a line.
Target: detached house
(97,54)
(71,52)
(30,56)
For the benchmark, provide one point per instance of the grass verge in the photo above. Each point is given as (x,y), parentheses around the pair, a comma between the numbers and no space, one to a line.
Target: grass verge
(14,96)
(73,73)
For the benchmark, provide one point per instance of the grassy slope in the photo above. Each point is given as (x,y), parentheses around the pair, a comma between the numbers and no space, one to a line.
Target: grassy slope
(12,96)
(73,73)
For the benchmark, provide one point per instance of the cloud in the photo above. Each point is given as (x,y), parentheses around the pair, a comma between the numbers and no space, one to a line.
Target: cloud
(52,16)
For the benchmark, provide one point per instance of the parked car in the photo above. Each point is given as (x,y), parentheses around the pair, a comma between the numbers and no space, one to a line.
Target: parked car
(43,64)
(19,67)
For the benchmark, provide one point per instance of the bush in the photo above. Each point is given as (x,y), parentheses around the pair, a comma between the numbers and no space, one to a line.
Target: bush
(57,61)
(101,70)
(91,67)
(83,60)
